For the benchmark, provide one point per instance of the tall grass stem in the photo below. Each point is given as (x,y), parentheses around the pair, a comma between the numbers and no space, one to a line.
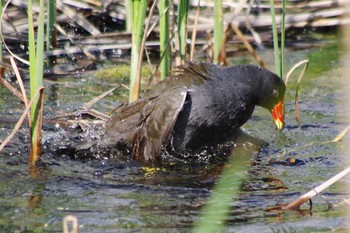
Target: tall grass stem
(283,37)
(128,16)
(275,38)
(217,208)
(164,38)
(218,29)
(36,58)
(194,32)
(139,8)
(51,38)
(182,27)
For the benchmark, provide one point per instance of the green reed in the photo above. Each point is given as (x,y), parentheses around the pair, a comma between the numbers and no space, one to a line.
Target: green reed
(283,36)
(214,213)
(182,20)
(50,29)
(139,8)
(36,62)
(164,38)
(128,16)
(278,47)
(218,29)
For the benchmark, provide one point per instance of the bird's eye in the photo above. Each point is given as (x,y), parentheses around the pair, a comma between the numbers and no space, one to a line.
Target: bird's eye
(275,93)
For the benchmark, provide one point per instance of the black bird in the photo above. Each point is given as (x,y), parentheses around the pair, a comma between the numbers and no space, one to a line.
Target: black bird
(201,105)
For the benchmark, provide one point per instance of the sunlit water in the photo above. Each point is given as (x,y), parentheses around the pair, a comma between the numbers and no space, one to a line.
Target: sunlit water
(111,195)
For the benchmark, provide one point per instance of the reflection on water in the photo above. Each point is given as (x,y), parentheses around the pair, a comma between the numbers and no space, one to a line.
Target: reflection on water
(112,195)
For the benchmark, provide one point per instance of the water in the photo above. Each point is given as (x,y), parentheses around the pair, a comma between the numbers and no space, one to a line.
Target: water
(111,195)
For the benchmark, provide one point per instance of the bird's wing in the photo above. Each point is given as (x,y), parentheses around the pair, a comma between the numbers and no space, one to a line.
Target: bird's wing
(120,128)
(156,123)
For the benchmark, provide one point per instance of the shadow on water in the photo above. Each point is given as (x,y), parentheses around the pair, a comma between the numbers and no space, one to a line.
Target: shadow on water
(112,195)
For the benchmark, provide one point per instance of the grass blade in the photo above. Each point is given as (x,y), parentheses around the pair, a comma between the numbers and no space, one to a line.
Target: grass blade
(301,75)
(341,135)
(275,38)
(283,37)
(194,33)
(143,42)
(51,37)
(164,38)
(215,212)
(138,18)
(218,30)
(182,27)
(128,16)
(36,60)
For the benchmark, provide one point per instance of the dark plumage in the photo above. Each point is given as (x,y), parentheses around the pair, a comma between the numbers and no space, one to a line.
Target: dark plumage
(205,103)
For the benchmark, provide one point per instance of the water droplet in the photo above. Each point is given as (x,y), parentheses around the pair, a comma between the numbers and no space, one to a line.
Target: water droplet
(98,173)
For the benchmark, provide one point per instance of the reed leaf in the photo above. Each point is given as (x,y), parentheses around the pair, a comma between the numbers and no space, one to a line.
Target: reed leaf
(51,38)
(182,27)
(36,60)
(218,29)
(164,39)
(139,8)
(128,16)
(217,208)
(21,85)
(283,37)
(275,38)
(301,75)
(194,32)
(342,134)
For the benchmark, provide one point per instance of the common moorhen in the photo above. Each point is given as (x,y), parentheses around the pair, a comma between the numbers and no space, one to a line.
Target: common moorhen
(203,104)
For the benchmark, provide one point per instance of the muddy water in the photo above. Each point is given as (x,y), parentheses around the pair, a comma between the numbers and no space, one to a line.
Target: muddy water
(112,195)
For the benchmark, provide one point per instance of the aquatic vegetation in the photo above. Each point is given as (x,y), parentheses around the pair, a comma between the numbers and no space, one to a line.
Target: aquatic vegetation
(164,38)
(119,73)
(36,67)
(139,8)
